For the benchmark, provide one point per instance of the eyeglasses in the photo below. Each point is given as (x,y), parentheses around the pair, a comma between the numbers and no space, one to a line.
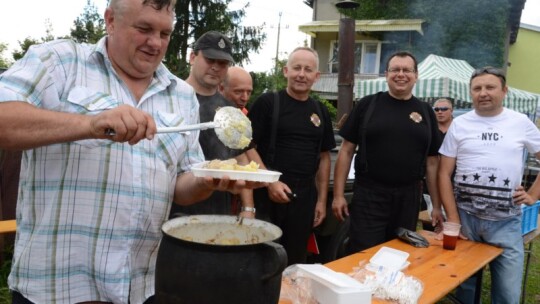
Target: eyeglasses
(489,70)
(441,109)
(397,70)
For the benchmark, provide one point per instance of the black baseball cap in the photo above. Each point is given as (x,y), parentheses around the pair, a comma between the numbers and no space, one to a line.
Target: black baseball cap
(214,45)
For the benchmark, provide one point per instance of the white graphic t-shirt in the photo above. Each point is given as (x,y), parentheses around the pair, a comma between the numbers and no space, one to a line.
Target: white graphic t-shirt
(489,154)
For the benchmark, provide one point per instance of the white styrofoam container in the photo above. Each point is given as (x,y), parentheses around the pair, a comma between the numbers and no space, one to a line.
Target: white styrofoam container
(330,287)
(390,258)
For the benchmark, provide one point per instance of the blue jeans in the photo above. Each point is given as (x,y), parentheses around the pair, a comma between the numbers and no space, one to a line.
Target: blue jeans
(507,269)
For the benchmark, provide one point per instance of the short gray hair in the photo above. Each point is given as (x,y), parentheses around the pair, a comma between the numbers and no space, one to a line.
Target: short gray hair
(305,48)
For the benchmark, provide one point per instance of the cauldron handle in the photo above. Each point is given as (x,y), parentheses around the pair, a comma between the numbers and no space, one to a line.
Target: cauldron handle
(280,260)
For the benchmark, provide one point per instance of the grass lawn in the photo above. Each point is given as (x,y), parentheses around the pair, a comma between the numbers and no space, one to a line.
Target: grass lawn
(533,281)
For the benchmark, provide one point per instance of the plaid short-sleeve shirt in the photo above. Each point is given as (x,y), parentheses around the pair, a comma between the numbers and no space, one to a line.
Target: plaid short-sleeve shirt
(89,213)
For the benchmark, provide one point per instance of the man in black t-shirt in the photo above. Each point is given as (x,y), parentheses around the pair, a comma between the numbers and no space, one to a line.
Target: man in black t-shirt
(301,152)
(398,141)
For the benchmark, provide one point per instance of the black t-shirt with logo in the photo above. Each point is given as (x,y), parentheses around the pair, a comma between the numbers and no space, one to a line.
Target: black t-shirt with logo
(300,130)
(396,140)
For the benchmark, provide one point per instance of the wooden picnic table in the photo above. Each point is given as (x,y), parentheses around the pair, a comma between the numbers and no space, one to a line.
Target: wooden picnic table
(440,270)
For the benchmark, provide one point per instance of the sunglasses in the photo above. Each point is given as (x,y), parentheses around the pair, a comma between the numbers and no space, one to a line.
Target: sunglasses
(441,109)
(489,70)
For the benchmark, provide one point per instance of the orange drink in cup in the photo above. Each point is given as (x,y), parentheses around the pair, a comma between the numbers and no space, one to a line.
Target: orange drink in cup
(450,235)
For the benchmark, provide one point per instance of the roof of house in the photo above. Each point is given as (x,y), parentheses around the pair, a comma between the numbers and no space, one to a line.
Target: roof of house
(530,27)
(314,27)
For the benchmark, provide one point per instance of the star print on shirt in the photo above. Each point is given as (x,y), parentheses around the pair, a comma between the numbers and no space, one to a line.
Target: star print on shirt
(492,178)
(506,182)
(464,177)
(476,177)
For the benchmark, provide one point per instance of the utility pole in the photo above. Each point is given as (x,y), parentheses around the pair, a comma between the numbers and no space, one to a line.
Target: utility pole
(276,71)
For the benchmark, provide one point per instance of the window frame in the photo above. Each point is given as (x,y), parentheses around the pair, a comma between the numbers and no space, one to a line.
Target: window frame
(361,67)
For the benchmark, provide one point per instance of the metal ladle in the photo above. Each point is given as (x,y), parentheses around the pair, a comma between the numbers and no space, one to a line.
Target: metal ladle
(232,127)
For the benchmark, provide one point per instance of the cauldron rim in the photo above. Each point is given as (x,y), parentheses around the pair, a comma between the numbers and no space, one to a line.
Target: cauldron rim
(228,219)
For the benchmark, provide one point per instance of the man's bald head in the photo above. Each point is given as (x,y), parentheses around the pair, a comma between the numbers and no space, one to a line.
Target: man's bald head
(237,86)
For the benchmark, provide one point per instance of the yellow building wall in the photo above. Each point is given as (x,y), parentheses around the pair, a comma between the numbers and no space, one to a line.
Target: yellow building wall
(524,60)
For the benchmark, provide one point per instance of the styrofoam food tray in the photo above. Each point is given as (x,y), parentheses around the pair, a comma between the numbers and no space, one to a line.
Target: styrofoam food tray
(328,286)
(390,258)
(260,175)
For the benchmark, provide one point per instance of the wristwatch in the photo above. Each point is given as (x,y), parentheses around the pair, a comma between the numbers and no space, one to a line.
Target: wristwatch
(248,209)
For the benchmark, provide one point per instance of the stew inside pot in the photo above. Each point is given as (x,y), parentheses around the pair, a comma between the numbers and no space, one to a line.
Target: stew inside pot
(227,232)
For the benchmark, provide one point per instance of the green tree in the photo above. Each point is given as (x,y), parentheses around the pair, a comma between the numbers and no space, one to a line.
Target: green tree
(24,46)
(4,62)
(195,17)
(28,41)
(89,27)
(263,82)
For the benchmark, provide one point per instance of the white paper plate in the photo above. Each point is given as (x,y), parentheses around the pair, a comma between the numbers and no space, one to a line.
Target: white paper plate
(260,175)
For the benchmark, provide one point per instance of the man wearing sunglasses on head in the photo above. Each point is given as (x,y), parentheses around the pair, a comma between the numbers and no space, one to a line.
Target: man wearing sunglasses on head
(486,147)
(444,111)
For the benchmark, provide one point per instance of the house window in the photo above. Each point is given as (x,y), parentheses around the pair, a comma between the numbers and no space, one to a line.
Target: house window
(366,57)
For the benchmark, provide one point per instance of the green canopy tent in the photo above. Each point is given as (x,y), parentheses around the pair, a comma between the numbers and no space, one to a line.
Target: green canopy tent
(446,77)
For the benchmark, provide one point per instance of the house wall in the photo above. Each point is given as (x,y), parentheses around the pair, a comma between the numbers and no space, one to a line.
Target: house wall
(322,46)
(325,10)
(524,60)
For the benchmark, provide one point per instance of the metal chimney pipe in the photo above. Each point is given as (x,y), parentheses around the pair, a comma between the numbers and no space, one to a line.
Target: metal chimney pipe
(346,67)
(346,62)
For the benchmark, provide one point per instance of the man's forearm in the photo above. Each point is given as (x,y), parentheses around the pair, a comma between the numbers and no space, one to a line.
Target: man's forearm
(323,177)
(246,197)
(431,180)
(189,190)
(23,126)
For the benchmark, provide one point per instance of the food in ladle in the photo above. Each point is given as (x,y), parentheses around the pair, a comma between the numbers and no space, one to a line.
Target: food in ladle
(234,127)
(238,127)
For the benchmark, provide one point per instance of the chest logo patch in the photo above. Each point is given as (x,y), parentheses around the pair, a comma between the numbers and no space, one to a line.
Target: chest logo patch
(315,120)
(416,117)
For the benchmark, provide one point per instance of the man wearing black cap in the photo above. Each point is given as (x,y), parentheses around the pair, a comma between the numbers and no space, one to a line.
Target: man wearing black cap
(210,61)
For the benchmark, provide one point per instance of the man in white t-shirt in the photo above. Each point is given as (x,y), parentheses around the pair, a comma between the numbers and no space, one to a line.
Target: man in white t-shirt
(486,146)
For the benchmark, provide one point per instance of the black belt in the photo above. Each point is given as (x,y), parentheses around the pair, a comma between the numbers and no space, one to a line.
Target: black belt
(18,298)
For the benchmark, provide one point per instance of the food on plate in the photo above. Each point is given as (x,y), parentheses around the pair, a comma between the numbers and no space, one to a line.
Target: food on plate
(231,164)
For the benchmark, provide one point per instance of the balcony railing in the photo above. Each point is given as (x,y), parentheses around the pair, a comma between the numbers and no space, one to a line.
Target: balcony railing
(327,85)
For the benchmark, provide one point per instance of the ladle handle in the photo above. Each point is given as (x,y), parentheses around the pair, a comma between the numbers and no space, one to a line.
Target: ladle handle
(200,126)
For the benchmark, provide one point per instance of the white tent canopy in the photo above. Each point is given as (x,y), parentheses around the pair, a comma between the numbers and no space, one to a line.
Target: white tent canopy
(445,77)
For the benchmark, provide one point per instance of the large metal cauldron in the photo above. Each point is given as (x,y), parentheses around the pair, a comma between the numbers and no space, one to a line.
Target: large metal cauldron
(213,259)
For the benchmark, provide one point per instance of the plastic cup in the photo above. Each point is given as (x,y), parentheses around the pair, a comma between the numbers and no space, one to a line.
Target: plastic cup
(450,235)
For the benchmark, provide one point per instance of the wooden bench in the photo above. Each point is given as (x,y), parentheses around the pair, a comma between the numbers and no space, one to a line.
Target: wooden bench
(8,226)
